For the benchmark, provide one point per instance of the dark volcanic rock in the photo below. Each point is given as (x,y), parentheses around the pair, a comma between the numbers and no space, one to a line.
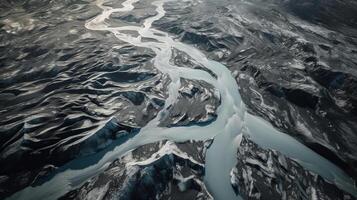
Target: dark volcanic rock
(266,174)
(341,86)
(30,164)
(68,92)
(335,14)
(153,171)
(64,90)
(294,62)
(181,59)
(142,11)
(197,103)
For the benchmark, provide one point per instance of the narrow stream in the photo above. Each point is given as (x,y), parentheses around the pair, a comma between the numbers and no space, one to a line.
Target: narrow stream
(232,120)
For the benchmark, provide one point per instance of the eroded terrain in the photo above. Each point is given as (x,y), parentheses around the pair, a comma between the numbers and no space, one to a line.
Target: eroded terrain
(122,99)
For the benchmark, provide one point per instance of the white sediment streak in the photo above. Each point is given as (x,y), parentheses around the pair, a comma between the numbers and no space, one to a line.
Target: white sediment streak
(232,119)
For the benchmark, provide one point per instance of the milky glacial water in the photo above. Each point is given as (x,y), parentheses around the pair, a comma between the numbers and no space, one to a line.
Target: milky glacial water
(232,120)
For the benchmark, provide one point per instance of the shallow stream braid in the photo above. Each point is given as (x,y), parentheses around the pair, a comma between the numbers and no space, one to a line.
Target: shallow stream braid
(232,120)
